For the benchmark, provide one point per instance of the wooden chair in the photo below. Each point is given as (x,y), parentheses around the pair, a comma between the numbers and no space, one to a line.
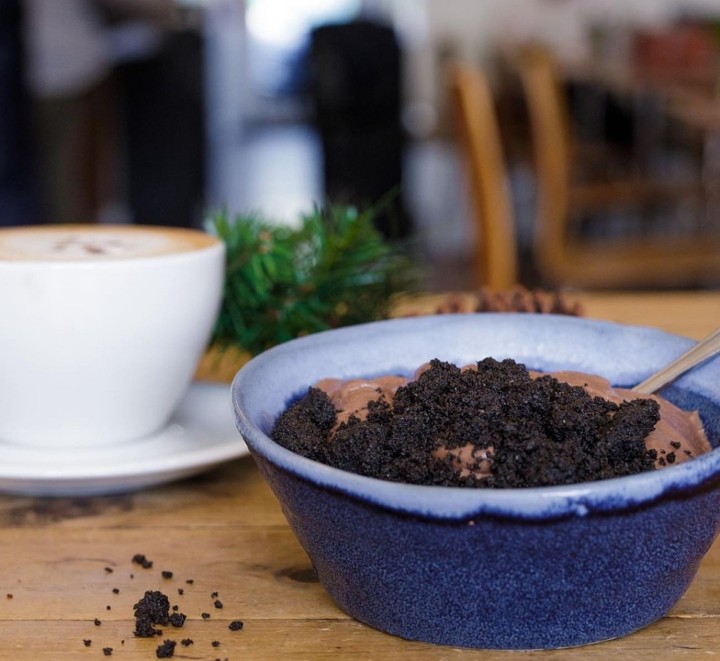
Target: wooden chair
(565,257)
(480,143)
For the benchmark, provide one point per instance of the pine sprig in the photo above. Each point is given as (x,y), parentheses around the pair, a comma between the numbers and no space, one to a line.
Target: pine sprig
(334,270)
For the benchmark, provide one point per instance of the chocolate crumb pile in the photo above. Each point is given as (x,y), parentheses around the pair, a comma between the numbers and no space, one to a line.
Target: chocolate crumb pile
(538,432)
(151,610)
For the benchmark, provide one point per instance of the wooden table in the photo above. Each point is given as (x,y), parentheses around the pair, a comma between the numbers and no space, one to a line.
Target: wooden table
(65,562)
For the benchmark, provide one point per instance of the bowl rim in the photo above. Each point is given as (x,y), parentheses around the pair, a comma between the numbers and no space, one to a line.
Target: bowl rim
(454,503)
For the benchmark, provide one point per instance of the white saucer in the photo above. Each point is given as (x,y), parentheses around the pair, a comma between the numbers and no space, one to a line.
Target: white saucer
(201,434)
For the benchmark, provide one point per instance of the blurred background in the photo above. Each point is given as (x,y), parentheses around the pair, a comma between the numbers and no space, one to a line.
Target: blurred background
(154,111)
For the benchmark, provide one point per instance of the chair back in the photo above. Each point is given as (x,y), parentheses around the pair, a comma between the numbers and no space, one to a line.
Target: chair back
(550,129)
(480,143)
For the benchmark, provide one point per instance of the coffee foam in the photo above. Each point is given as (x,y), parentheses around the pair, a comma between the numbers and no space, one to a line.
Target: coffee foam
(57,243)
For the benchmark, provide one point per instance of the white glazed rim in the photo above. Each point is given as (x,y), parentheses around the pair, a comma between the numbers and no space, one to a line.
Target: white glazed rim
(453,503)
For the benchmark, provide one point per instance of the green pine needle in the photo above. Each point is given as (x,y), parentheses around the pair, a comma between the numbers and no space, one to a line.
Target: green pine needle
(334,270)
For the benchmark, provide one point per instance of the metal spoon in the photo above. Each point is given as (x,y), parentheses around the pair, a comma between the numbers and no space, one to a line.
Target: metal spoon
(697,354)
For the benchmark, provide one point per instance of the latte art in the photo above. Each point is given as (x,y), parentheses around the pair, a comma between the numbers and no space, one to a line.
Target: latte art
(97,243)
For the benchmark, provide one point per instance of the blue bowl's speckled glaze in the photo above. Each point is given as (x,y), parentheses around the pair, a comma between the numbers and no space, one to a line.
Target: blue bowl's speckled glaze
(517,568)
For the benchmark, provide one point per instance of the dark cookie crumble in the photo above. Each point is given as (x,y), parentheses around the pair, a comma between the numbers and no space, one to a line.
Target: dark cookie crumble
(140,559)
(540,432)
(153,609)
(166,649)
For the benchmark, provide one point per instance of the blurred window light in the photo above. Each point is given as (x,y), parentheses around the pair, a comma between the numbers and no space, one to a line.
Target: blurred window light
(286,23)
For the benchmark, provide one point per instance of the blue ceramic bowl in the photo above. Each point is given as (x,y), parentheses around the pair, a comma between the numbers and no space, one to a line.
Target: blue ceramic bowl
(516,568)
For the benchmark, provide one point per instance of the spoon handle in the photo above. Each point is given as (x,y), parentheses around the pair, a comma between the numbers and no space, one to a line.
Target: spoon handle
(697,354)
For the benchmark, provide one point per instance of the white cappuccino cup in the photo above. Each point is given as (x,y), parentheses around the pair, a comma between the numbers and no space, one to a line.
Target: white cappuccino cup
(101,329)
